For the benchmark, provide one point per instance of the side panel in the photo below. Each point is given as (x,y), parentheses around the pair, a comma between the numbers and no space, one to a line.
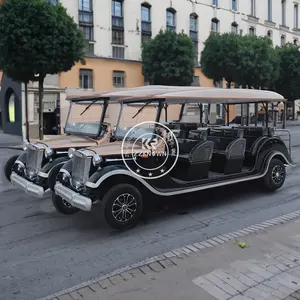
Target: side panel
(54,162)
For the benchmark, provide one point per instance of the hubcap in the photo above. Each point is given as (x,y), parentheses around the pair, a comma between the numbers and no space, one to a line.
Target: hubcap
(124,207)
(277,174)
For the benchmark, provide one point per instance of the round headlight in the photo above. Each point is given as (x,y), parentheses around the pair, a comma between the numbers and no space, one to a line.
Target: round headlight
(48,152)
(71,152)
(25,145)
(97,159)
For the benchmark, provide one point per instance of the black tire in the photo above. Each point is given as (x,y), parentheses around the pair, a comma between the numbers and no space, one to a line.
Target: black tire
(275,177)
(8,166)
(63,206)
(128,195)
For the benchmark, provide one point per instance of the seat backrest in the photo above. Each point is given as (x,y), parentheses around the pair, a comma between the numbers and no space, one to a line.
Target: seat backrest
(236,148)
(201,152)
(198,135)
(256,131)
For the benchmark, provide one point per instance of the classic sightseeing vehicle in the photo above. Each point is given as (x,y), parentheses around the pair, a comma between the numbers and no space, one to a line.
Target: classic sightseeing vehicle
(204,157)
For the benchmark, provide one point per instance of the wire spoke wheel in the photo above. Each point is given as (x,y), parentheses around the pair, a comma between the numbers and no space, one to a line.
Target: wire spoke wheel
(124,207)
(277,174)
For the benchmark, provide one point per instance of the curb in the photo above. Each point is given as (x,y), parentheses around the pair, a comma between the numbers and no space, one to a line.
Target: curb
(183,251)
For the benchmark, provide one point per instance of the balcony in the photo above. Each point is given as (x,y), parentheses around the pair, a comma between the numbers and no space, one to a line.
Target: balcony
(86,17)
(194,35)
(146,27)
(117,22)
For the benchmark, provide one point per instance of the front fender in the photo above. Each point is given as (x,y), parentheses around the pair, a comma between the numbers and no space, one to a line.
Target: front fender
(101,172)
(51,164)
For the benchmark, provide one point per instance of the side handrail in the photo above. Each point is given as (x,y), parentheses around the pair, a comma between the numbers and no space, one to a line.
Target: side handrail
(289,138)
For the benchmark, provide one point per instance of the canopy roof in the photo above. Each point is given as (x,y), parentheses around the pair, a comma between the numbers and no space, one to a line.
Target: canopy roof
(184,94)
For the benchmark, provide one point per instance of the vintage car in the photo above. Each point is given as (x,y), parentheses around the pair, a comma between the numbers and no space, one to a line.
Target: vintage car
(86,125)
(164,158)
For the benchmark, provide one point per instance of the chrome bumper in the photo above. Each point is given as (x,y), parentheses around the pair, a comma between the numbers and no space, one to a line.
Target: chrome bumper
(29,187)
(75,199)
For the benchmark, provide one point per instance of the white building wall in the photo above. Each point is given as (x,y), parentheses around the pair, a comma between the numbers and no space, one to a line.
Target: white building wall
(203,8)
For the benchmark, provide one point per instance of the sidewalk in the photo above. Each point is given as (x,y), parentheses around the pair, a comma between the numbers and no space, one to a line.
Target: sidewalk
(7,140)
(269,268)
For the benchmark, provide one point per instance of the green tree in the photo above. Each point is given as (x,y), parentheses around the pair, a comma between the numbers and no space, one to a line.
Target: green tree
(287,83)
(257,62)
(169,59)
(36,39)
(219,57)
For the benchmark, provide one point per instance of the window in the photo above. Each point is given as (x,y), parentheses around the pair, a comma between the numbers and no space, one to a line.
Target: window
(118,52)
(117,37)
(146,22)
(86,79)
(196,81)
(171,24)
(282,40)
(194,33)
(85,5)
(54,2)
(215,25)
(270,10)
(234,5)
(295,42)
(215,2)
(11,108)
(252,8)
(116,9)
(88,32)
(296,16)
(269,34)
(119,79)
(234,28)
(283,8)
(251,31)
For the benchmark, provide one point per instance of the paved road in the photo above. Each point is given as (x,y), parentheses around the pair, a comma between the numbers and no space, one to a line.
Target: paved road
(42,252)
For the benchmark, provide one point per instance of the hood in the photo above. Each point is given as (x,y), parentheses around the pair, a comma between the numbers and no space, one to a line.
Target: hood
(67,141)
(115,148)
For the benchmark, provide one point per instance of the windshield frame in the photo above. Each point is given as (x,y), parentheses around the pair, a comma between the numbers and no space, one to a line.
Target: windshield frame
(103,103)
(157,103)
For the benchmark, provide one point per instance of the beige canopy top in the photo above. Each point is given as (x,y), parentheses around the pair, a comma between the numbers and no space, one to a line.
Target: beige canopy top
(185,94)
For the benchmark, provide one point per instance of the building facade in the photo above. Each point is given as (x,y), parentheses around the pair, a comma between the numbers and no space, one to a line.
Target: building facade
(115,30)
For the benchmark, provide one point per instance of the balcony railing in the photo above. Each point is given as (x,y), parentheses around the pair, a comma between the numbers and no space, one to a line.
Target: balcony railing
(146,26)
(86,17)
(117,22)
(194,35)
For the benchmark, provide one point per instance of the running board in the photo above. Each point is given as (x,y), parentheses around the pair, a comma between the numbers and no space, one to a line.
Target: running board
(188,190)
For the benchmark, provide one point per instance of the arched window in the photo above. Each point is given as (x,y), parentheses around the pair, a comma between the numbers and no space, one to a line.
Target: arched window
(215,24)
(10,106)
(282,40)
(171,18)
(234,28)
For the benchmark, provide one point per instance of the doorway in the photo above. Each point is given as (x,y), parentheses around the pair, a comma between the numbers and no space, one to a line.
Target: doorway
(50,123)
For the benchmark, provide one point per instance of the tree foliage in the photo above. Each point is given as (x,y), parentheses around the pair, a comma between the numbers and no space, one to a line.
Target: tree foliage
(169,59)
(287,83)
(37,38)
(246,60)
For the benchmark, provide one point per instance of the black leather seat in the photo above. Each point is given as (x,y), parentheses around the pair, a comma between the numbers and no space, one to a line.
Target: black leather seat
(194,157)
(229,152)
(254,135)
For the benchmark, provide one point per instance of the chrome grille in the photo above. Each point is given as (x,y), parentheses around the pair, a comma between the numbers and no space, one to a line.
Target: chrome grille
(34,158)
(80,167)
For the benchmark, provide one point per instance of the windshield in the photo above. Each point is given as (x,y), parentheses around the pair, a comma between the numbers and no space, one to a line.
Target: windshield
(137,113)
(84,118)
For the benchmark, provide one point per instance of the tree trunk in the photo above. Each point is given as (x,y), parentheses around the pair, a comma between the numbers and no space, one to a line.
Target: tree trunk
(41,108)
(26,111)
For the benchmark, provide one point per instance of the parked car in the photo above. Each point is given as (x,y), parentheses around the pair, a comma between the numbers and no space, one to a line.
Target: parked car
(88,123)
(204,158)
(35,169)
